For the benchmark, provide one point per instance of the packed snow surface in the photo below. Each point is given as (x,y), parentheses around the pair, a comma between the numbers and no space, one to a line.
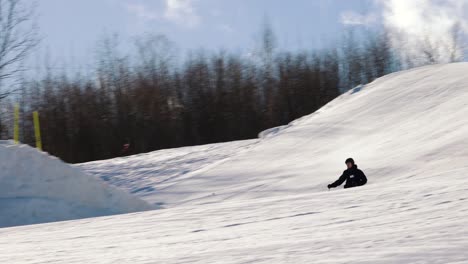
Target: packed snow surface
(152,176)
(265,201)
(38,188)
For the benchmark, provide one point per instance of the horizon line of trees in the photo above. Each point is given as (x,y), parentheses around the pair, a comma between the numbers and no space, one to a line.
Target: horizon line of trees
(149,102)
(145,100)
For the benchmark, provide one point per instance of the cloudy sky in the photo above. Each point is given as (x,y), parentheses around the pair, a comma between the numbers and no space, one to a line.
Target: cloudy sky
(71,29)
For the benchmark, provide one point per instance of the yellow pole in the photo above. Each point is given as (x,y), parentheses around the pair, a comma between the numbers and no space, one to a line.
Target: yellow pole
(37,130)
(16,125)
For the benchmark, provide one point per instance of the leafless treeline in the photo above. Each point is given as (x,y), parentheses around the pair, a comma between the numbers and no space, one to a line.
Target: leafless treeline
(150,102)
(146,100)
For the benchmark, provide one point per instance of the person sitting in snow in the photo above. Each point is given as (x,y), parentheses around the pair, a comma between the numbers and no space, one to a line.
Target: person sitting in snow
(353,176)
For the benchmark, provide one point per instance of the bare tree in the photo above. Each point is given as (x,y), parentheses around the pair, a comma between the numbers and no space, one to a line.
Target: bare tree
(455,43)
(267,56)
(18,35)
(156,52)
(429,50)
(352,61)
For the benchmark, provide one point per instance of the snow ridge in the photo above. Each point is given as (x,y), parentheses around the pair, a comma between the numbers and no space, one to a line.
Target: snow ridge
(38,188)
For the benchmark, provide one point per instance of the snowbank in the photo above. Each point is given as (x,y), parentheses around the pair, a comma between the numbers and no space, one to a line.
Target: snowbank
(407,123)
(148,175)
(271,131)
(266,201)
(38,188)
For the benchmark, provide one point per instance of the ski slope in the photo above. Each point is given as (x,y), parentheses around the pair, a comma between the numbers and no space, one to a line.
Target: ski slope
(151,176)
(37,188)
(266,200)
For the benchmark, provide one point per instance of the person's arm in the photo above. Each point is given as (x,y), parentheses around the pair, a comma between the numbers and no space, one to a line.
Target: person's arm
(338,182)
(363,178)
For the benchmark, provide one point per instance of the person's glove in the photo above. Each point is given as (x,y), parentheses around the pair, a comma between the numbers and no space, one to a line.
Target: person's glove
(330,186)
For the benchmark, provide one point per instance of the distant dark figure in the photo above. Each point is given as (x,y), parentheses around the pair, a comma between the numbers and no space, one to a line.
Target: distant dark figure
(353,176)
(125,151)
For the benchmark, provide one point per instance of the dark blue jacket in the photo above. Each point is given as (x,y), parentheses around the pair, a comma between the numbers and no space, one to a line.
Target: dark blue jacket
(354,177)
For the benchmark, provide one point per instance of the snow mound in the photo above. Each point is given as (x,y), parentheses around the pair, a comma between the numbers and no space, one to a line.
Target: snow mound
(38,188)
(406,125)
(148,175)
(271,131)
(266,201)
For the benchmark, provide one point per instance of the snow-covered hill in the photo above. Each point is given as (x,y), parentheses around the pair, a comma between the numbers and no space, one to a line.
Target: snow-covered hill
(37,188)
(267,202)
(402,126)
(152,175)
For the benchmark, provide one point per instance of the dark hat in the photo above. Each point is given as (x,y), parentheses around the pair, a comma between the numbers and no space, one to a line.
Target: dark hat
(350,160)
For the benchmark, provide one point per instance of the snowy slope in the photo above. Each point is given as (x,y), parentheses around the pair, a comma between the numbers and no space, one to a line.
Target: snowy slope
(149,175)
(398,127)
(268,203)
(405,127)
(37,188)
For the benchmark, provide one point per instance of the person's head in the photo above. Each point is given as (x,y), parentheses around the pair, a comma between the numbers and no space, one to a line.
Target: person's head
(349,163)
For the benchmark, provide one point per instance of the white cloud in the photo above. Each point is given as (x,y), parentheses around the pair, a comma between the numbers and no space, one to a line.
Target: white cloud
(142,12)
(353,18)
(421,31)
(182,12)
(420,25)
